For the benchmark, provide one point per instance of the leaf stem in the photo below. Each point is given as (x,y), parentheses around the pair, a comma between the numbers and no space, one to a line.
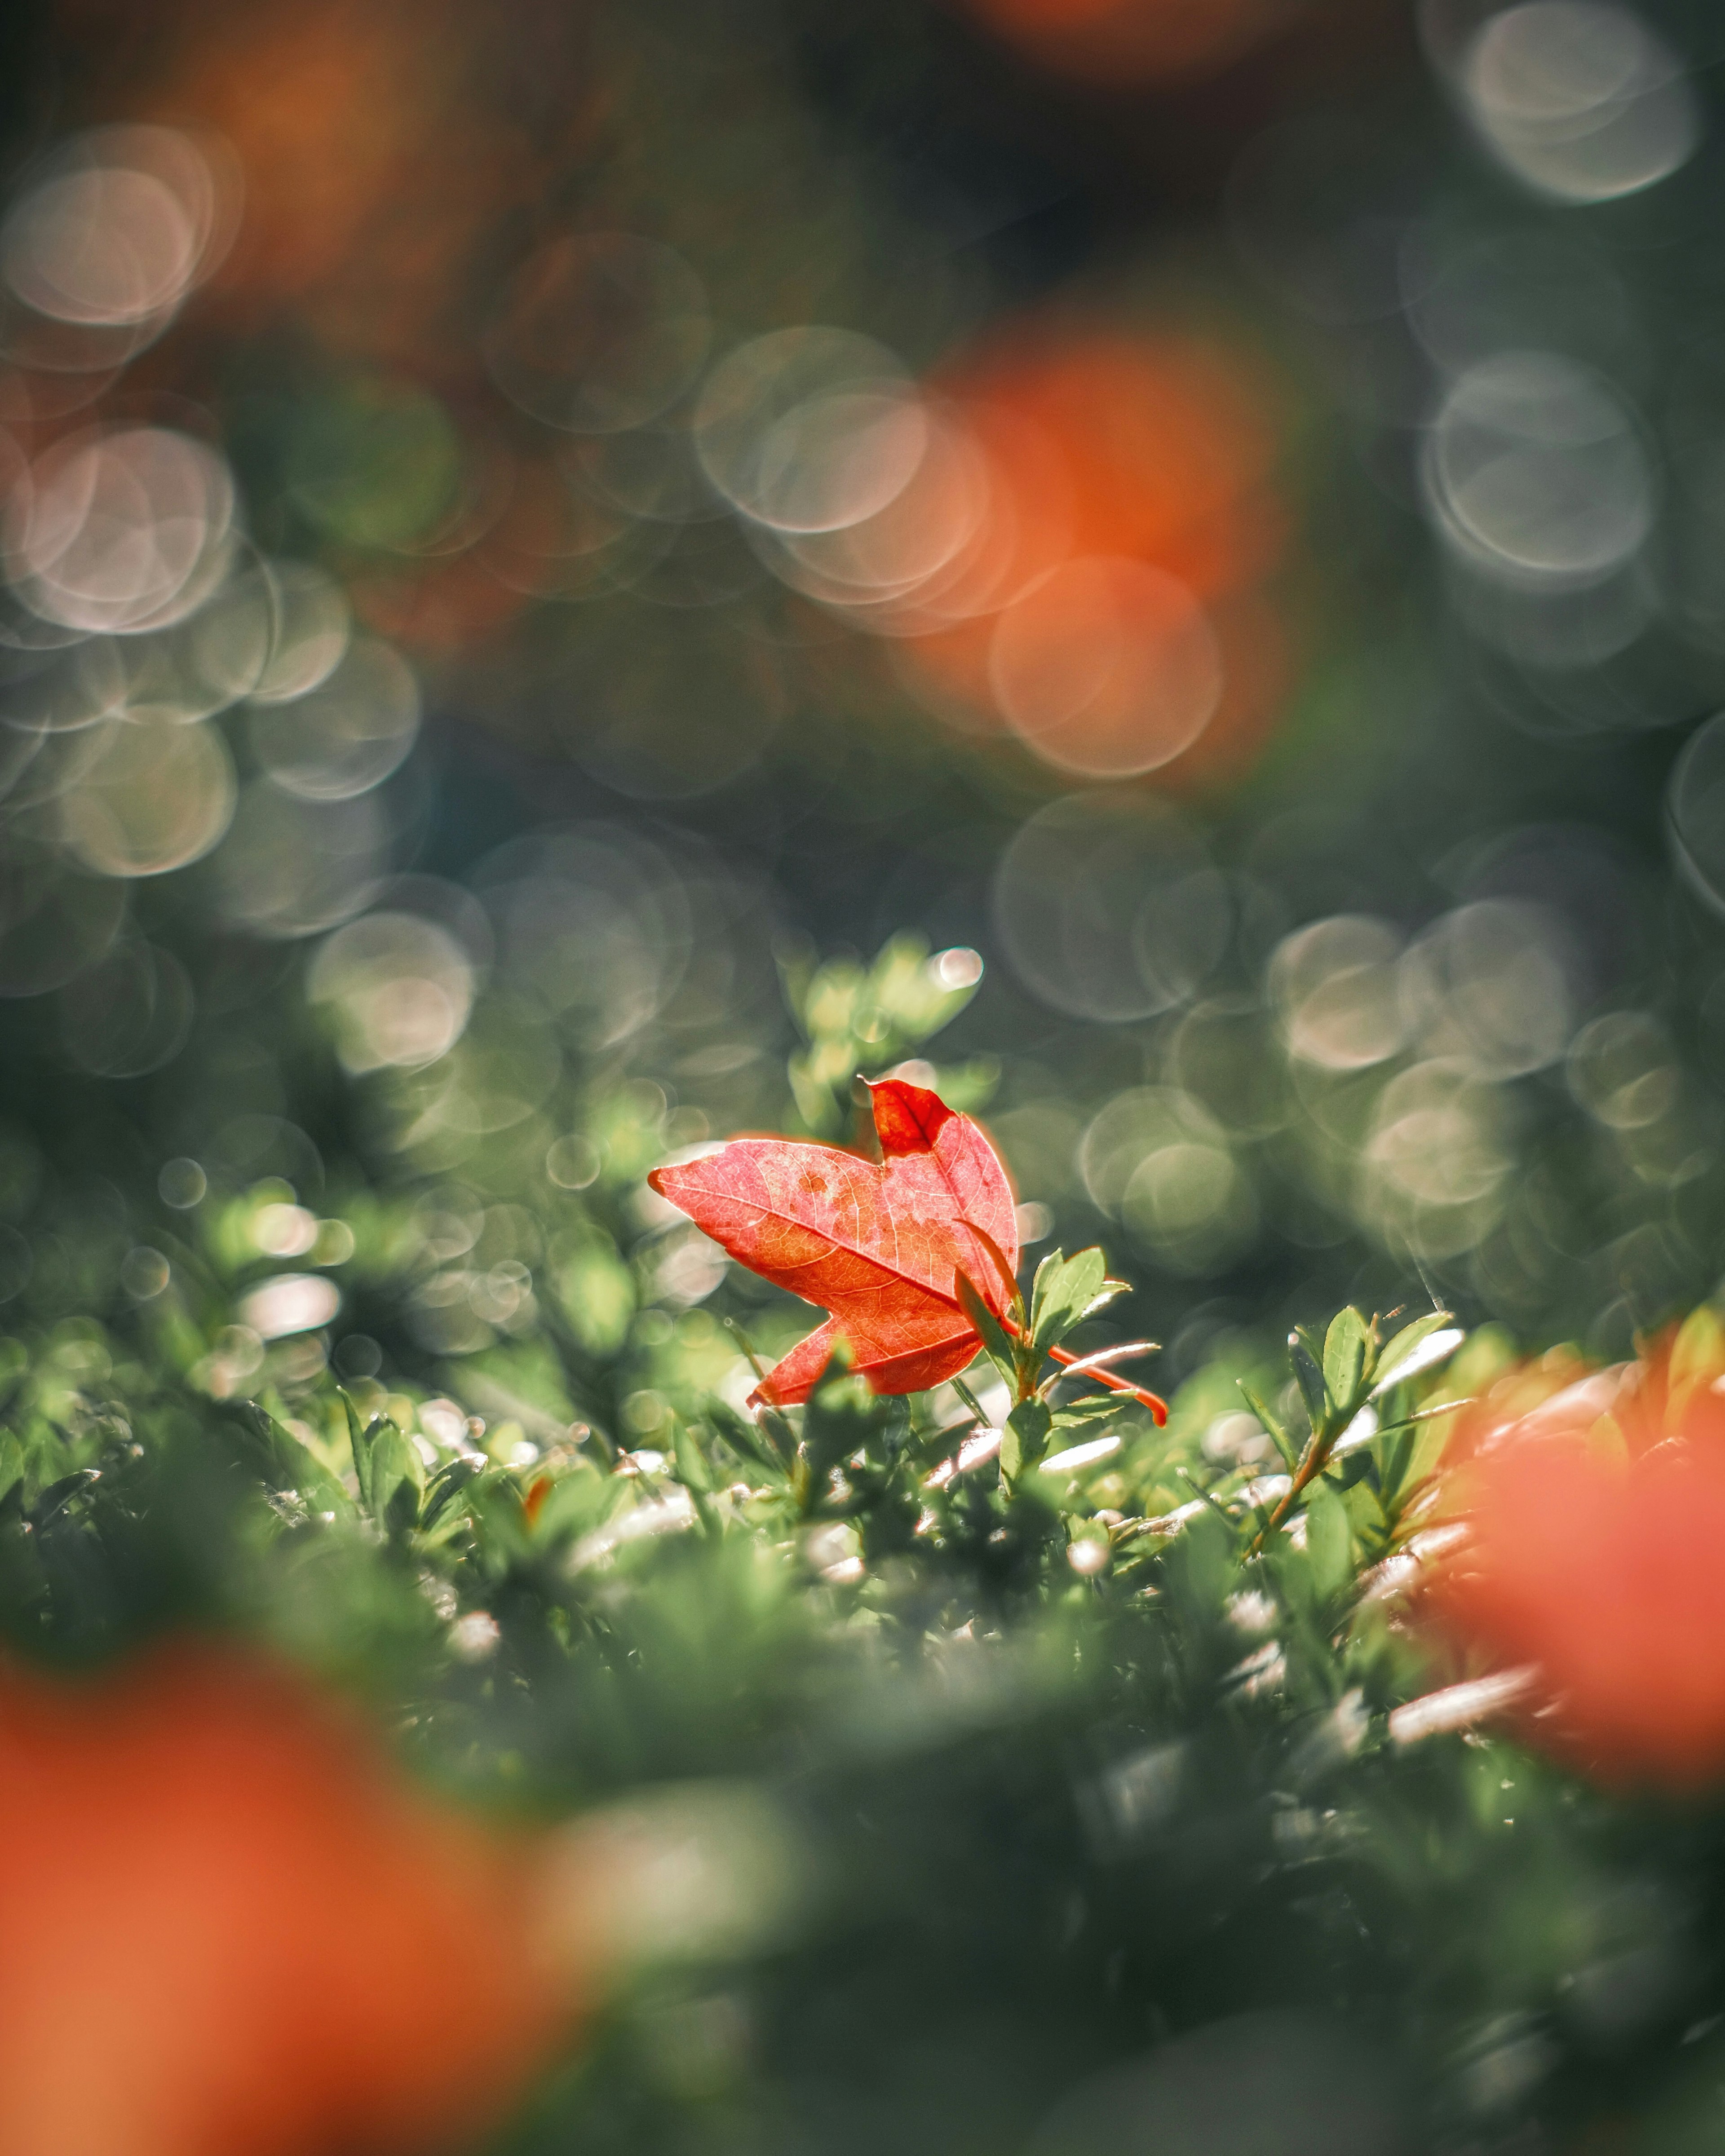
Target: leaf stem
(1153,1401)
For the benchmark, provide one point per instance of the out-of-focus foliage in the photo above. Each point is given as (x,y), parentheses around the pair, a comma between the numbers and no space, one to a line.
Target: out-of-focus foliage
(1140,1710)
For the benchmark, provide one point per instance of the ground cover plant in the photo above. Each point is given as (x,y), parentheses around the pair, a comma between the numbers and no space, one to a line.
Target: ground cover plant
(1000,1755)
(862,1078)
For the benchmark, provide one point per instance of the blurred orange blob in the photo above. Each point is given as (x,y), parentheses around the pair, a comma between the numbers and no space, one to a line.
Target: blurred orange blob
(377,145)
(231,1927)
(1595,1517)
(1133,41)
(1119,518)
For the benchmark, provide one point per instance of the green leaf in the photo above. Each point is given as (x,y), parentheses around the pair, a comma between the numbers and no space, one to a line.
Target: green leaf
(841,1416)
(972,1402)
(1278,1437)
(1328,1540)
(692,1470)
(359,1445)
(1093,1409)
(1403,1344)
(995,1343)
(1065,1289)
(747,1441)
(11,1462)
(450,1480)
(395,1477)
(1308,1376)
(1025,1438)
(1347,1350)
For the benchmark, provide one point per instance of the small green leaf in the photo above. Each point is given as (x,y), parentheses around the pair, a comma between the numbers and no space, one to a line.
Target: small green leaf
(450,1480)
(1327,1540)
(1003,1272)
(1347,1348)
(1064,1296)
(842,1415)
(1278,1437)
(1402,1346)
(745,1438)
(394,1477)
(1025,1438)
(693,1471)
(1308,1376)
(993,1334)
(1093,1409)
(972,1402)
(361,1451)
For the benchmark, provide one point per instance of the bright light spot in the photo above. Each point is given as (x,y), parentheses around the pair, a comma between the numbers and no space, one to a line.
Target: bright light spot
(144,1273)
(292,1302)
(975,1451)
(1581,101)
(1156,1156)
(1360,1432)
(153,796)
(400,986)
(120,530)
(346,734)
(910,562)
(284,1231)
(121,226)
(1488,983)
(99,246)
(1077,1456)
(1335,986)
(291,868)
(956,968)
(1436,1347)
(182,1183)
(810,430)
(444,1422)
(1460,1705)
(708,1872)
(309,625)
(475,1635)
(1035,1223)
(1107,667)
(669,1514)
(1536,472)
(1109,908)
(572,1164)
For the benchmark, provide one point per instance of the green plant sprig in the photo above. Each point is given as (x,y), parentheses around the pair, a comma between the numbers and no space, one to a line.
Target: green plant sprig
(1336,1379)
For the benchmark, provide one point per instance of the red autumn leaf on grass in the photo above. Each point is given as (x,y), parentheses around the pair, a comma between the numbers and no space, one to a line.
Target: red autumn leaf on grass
(882,1244)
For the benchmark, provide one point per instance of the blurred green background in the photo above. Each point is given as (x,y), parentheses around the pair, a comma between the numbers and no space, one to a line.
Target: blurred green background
(522,530)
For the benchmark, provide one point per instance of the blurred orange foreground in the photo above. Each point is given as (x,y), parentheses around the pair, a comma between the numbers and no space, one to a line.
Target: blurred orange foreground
(1596,1518)
(228,1926)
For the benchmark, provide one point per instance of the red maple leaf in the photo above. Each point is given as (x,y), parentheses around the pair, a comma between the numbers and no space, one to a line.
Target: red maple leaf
(881,1245)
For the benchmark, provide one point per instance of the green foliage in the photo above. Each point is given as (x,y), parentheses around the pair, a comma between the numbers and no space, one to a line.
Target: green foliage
(1067,1662)
(853,1018)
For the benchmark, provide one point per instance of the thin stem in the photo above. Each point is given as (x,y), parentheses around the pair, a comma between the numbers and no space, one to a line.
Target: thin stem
(1088,1365)
(1153,1401)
